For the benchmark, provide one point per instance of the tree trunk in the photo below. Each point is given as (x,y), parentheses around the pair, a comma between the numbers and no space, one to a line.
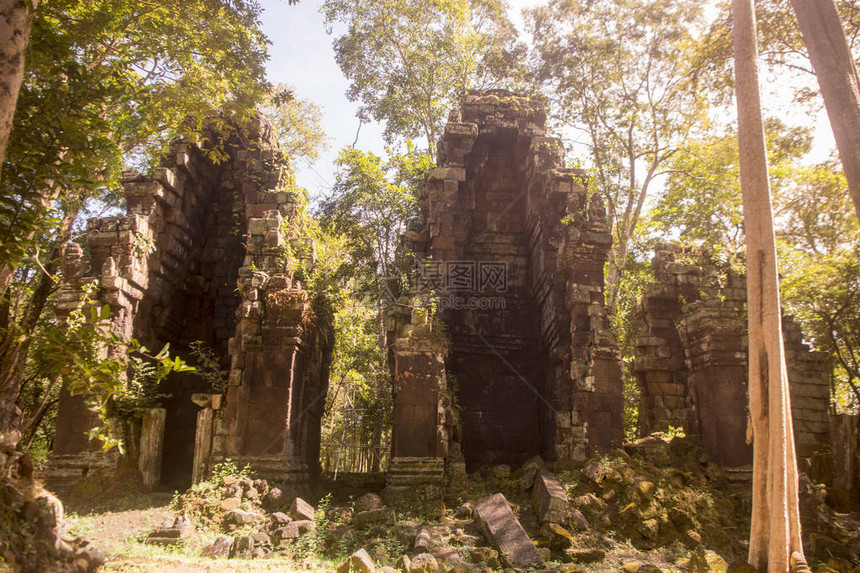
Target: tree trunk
(837,77)
(15,346)
(15,19)
(775,528)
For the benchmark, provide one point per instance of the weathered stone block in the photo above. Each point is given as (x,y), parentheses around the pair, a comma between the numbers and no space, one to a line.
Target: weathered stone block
(505,532)
(358,562)
(549,498)
(382,516)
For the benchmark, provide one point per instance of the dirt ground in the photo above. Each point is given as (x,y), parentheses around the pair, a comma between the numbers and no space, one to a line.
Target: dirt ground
(119,528)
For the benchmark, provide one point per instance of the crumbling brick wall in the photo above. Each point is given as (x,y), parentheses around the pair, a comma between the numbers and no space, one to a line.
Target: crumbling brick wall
(200,256)
(531,362)
(691,359)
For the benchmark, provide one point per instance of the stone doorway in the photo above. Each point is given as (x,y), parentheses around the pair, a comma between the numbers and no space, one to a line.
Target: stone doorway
(180,429)
(497,366)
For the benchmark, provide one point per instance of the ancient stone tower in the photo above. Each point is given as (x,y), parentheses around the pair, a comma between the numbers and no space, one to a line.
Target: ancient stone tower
(513,252)
(691,359)
(201,256)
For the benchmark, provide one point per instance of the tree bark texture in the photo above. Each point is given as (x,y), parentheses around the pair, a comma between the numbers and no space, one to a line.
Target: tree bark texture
(837,76)
(775,528)
(15,20)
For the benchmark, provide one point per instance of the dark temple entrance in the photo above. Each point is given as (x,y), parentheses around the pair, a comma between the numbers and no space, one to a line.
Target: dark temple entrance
(497,364)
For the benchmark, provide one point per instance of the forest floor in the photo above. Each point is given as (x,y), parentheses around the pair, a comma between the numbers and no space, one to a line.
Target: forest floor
(664,508)
(119,528)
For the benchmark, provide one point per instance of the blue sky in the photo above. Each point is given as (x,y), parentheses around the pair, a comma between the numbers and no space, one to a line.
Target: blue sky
(302,56)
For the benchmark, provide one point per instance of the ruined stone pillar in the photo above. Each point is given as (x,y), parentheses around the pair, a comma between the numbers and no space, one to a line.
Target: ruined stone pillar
(843,439)
(691,360)
(420,437)
(151,447)
(280,350)
(713,337)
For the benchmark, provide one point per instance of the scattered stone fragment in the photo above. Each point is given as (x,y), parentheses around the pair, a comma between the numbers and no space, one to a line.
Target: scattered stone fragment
(545,553)
(595,471)
(358,562)
(286,532)
(631,513)
(486,556)
(262,538)
(529,470)
(577,521)
(232,490)
(423,563)
(557,536)
(301,510)
(466,511)
(505,532)
(501,471)
(383,516)
(422,540)
(339,515)
(275,497)
(387,569)
(549,498)
(590,504)
(646,489)
(229,504)
(171,531)
(220,548)
(281,518)
(404,562)
(702,561)
(368,502)
(460,537)
(242,517)
(649,528)
(570,568)
(304,526)
(242,545)
(586,555)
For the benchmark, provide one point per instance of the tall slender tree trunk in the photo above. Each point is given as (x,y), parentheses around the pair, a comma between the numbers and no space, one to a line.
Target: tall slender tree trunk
(15,19)
(775,529)
(15,343)
(837,76)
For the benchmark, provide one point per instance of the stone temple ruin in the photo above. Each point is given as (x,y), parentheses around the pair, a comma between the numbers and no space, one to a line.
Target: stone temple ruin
(216,274)
(519,360)
(537,372)
(691,360)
